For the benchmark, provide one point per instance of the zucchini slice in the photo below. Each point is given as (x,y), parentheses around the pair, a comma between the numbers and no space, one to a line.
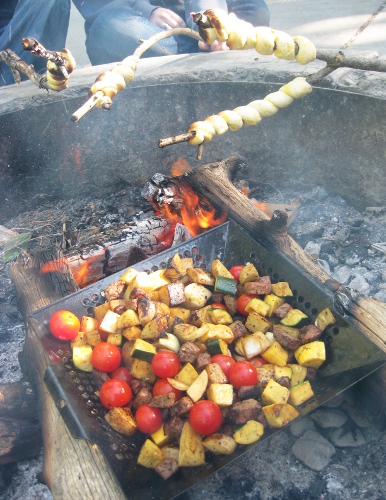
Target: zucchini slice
(217,346)
(225,285)
(295,318)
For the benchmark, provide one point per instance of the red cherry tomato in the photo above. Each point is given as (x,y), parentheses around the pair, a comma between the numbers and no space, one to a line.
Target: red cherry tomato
(242,373)
(162,386)
(242,301)
(235,272)
(115,392)
(122,373)
(106,357)
(64,325)
(218,305)
(258,361)
(205,417)
(225,362)
(165,364)
(148,419)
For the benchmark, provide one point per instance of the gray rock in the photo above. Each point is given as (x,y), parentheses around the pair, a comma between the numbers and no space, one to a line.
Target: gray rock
(344,437)
(356,415)
(313,450)
(302,425)
(313,248)
(342,274)
(359,284)
(329,418)
(325,266)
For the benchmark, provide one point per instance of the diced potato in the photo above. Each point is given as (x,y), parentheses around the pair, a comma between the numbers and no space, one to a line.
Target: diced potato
(255,322)
(249,432)
(115,338)
(79,340)
(300,393)
(196,296)
(159,437)
(324,319)
(122,420)
(187,375)
(197,318)
(128,318)
(143,371)
(280,414)
(220,444)
(220,317)
(154,328)
(210,331)
(146,308)
(311,355)
(215,374)
(218,269)
(200,276)
(129,275)
(93,338)
(274,393)
(185,332)
(192,451)
(274,302)
(276,354)
(109,322)
(150,455)
(175,269)
(177,384)
(282,289)
(265,373)
(172,294)
(158,279)
(113,304)
(254,344)
(101,310)
(88,324)
(248,273)
(132,332)
(141,281)
(257,305)
(299,374)
(221,394)
(180,312)
(198,388)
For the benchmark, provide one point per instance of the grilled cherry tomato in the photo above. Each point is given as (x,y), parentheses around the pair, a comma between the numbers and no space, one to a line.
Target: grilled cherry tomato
(242,301)
(64,325)
(162,386)
(115,392)
(242,373)
(148,419)
(122,373)
(257,361)
(106,357)
(205,417)
(235,272)
(165,364)
(218,305)
(225,362)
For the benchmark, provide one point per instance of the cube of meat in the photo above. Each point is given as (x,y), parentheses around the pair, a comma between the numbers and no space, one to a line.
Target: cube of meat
(243,411)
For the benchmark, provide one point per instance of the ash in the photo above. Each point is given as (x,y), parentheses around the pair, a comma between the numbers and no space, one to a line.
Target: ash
(344,460)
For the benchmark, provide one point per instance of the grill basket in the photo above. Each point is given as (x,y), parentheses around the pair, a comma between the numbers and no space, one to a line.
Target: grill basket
(350,357)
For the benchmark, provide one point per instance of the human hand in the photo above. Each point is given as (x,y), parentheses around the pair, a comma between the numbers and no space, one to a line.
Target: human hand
(213,47)
(166,19)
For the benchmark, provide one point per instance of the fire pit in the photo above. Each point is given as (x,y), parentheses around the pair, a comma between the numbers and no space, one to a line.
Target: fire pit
(93,156)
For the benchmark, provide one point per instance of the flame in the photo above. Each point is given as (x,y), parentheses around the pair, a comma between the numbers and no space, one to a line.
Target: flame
(180,167)
(195,214)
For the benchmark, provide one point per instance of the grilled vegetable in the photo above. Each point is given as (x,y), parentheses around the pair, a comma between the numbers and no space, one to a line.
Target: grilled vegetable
(324,319)
(192,451)
(295,318)
(249,432)
(150,455)
(220,444)
(311,355)
(300,393)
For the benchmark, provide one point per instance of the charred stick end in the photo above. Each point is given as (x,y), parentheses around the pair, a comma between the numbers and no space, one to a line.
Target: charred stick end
(176,139)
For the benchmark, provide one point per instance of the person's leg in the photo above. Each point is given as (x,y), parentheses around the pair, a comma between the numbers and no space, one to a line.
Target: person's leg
(255,12)
(116,32)
(45,20)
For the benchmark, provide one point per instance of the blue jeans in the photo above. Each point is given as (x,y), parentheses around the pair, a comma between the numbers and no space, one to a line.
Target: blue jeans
(45,20)
(117,29)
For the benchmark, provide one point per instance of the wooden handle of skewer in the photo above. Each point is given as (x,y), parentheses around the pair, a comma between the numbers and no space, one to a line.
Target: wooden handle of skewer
(93,101)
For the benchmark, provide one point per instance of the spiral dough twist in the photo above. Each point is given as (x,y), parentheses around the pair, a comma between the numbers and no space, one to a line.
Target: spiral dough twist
(251,114)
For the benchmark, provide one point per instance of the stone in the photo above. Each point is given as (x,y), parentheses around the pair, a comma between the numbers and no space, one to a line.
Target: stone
(335,401)
(301,425)
(329,418)
(342,274)
(313,450)
(359,284)
(344,437)
(356,415)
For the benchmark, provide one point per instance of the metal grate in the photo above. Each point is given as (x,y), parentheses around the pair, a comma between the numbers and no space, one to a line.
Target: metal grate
(350,357)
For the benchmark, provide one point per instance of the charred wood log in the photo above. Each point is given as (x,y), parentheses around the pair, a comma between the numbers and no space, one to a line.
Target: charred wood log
(20,435)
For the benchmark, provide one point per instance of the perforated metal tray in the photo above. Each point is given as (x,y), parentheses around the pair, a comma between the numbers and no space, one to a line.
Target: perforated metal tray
(350,357)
